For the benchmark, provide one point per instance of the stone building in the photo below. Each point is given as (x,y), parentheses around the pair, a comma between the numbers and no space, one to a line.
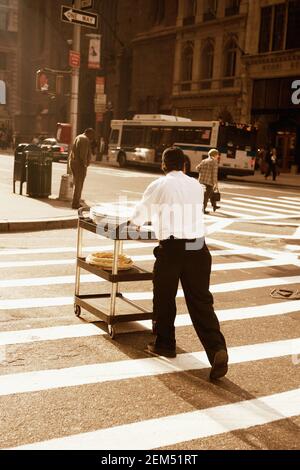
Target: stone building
(9,96)
(235,60)
(272,75)
(208,75)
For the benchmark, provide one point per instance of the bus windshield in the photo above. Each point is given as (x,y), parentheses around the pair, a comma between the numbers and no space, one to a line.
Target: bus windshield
(240,138)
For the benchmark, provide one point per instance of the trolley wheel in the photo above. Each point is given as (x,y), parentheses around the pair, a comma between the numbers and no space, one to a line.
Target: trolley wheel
(77,310)
(111,331)
(154,327)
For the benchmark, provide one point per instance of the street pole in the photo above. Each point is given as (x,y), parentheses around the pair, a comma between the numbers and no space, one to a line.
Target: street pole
(66,184)
(75,78)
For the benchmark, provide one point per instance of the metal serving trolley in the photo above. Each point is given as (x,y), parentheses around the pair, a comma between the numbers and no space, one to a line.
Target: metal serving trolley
(118,233)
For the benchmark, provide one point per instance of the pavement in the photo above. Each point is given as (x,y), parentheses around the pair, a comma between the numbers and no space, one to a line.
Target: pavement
(21,213)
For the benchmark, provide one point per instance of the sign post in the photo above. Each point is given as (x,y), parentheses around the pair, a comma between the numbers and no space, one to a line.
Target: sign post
(86,4)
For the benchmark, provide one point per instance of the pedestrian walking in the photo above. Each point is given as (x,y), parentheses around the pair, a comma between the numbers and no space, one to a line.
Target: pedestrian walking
(208,176)
(174,204)
(79,160)
(272,161)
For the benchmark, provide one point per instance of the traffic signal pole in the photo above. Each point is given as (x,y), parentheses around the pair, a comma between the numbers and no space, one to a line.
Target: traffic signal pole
(75,78)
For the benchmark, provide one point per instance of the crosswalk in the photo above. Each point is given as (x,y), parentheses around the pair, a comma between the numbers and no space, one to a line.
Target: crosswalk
(257,207)
(64,384)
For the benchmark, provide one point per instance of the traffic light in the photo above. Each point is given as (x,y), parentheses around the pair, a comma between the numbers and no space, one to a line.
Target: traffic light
(46,81)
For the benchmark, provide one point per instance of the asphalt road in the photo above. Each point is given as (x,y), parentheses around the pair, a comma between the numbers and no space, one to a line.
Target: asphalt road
(65,384)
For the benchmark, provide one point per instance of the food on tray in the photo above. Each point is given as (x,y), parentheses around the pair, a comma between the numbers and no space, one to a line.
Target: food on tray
(105,259)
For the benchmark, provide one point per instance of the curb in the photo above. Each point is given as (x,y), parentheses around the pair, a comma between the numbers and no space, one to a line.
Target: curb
(37,225)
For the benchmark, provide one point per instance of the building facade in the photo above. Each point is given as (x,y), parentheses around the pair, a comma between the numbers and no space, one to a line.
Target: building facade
(234,60)
(8,62)
(272,67)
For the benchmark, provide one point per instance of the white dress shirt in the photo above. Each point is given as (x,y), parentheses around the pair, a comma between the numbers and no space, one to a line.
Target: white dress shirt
(174,205)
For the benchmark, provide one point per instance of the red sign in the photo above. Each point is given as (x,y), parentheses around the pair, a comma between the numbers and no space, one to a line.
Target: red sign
(74,59)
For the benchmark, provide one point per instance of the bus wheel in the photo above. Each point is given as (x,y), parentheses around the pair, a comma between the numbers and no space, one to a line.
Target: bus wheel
(122,160)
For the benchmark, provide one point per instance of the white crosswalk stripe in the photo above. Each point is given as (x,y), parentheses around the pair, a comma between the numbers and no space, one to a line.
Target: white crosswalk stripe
(255,207)
(184,427)
(122,370)
(90,329)
(42,375)
(42,302)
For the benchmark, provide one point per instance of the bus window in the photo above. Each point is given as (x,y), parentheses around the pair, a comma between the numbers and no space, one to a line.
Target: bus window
(132,136)
(167,136)
(193,135)
(114,136)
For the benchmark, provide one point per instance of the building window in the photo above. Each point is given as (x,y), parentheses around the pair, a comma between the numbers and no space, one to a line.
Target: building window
(3,15)
(279,27)
(159,11)
(210,10)
(207,61)
(3,61)
(190,12)
(230,53)
(187,60)
(232,7)
(293,36)
(278,38)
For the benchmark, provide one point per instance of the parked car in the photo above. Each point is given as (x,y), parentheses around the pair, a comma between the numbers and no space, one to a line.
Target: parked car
(59,151)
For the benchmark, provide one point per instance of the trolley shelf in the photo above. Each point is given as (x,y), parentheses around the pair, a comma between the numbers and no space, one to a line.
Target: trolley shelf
(107,306)
(85,301)
(134,274)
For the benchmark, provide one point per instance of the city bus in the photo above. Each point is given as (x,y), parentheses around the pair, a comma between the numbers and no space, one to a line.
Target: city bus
(142,140)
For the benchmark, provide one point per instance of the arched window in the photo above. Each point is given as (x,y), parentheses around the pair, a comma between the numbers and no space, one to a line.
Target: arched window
(187,60)
(230,53)
(207,64)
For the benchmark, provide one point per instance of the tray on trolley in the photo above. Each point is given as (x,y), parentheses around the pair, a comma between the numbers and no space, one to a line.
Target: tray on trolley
(95,303)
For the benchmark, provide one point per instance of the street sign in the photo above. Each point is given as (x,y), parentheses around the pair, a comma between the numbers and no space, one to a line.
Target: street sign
(74,59)
(86,4)
(69,15)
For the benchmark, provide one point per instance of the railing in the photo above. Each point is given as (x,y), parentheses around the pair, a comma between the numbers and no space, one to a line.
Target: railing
(207,85)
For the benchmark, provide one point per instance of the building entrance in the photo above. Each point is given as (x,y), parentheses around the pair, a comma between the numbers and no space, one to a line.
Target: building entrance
(286,148)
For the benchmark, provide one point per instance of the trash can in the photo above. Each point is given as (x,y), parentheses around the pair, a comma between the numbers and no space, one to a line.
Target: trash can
(20,164)
(39,173)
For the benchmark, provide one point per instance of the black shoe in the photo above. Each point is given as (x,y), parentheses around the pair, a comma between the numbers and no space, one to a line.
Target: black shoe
(220,365)
(160,351)
(206,212)
(217,207)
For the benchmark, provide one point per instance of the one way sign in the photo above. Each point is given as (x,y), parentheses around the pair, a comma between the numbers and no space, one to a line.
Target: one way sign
(69,15)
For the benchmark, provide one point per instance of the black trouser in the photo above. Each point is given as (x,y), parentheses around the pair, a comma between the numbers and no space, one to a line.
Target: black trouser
(192,267)
(272,169)
(208,195)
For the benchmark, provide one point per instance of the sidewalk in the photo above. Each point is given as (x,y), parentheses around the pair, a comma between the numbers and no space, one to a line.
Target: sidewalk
(286,180)
(21,213)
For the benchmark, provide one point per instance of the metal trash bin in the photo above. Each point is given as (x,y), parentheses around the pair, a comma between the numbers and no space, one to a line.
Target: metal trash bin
(39,173)
(20,164)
